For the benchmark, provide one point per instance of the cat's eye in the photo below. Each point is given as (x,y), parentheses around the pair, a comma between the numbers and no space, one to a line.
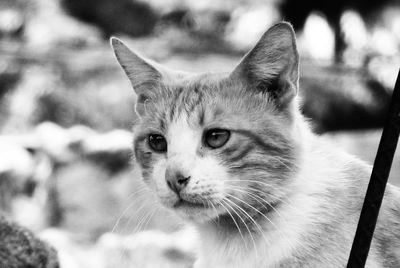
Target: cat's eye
(157,143)
(215,138)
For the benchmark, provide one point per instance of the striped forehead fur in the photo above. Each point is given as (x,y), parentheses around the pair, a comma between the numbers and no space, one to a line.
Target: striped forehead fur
(216,92)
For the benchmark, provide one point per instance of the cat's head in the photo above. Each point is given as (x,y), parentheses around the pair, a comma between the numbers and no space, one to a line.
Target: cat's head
(211,145)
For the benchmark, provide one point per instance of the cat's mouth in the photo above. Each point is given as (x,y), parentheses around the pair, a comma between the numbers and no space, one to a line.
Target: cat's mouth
(181,203)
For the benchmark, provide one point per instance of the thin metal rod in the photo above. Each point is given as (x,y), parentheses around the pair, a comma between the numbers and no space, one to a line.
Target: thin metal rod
(377,183)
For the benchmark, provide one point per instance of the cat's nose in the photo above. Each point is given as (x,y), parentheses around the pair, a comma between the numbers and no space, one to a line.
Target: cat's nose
(176,181)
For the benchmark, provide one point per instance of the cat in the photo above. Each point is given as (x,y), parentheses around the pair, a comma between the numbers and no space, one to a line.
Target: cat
(231,154)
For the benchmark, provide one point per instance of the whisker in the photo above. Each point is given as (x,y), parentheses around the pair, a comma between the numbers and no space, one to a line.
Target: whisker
(258,199)
(125,251)
(122,215)
(233,218)
(279,198)
(262,214)
(146,223)
(286,201)
(251,236)
(137,216)
(244,189)
(127,208)
(210,204)
(283,163)
(144,219)
(248,215)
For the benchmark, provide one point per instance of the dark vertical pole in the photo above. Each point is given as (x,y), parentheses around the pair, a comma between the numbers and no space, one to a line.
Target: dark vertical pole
(377,183)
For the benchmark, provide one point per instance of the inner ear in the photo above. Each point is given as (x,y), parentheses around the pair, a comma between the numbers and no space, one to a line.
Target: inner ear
(272,87)
(278,89)
(272,65)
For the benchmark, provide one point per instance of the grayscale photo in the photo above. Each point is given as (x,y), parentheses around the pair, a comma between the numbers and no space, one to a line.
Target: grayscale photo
(199,134)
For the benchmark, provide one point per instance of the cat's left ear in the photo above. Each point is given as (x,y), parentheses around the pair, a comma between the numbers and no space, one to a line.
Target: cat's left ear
(272,66)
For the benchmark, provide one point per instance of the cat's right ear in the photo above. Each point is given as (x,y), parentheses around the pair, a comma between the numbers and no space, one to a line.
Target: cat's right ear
(144,76)
(272,66)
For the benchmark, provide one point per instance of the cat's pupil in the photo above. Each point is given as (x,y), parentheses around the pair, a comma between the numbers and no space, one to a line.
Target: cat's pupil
(157,143)
(216,138)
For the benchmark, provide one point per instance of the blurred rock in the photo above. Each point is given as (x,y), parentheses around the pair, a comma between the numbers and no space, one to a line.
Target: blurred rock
(20,248)
(30,213)
(14,159)
(85,202)
(113,150)
(124,16)
(64,145)
(54,141)
(338,98)
(21,103)
(390,19)
(9,75)
(179,17)
(78,133)
(385,70)
(383,42)
(116,140)
(210,23)
(12,19)
(16,167)
(11,22)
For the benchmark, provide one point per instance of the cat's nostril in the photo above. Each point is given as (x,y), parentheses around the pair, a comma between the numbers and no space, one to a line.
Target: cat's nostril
(183,180)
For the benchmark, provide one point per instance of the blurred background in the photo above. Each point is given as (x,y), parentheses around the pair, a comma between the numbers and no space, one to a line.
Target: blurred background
(66,109)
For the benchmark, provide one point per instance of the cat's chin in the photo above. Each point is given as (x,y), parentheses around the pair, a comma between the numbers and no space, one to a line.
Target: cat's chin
(181,203)
(195,212)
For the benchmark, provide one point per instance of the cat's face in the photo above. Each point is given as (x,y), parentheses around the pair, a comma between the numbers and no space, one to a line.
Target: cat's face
(211,145)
